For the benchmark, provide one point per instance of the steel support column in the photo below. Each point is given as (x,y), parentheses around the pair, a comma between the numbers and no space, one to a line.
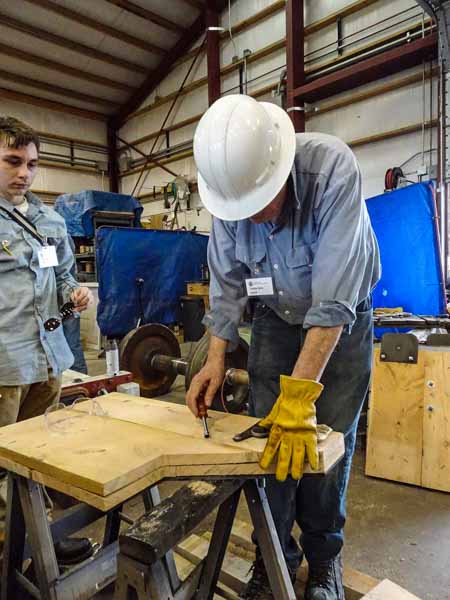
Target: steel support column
(113,166)
(213,51)
(295,58)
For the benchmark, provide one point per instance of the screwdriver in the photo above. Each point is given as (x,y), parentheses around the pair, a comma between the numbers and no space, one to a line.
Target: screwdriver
(203,413)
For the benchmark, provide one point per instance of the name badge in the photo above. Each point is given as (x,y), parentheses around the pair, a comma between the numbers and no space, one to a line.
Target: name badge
(47,257)
(260,286)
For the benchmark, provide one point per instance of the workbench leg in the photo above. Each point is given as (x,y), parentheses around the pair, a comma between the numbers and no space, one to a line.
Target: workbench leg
(112,526)
(14,542)
(268,541)
(217,547)
(39,534)
(136,581)
(152,498)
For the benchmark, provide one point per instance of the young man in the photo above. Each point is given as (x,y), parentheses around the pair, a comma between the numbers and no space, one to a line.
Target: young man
(290,228)
(35,281)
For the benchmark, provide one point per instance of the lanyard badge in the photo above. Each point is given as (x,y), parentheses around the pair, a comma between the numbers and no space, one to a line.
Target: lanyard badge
(47,257)
(259,286)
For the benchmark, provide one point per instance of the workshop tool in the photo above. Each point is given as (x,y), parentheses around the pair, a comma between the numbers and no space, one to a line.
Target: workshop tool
(203,412)
(323,431)
(66,312)
(254,431)
(152,353)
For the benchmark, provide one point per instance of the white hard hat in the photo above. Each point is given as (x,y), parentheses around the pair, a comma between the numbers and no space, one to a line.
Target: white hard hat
(244,151)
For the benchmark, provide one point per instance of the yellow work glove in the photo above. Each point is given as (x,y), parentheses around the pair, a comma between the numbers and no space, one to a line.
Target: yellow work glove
(293,428)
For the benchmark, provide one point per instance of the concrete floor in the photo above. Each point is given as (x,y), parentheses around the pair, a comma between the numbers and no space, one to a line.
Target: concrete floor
(393,531)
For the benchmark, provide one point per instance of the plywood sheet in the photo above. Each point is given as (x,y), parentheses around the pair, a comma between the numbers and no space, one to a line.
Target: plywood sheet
(394,444)
(386,590)
(137,443)
(436,422)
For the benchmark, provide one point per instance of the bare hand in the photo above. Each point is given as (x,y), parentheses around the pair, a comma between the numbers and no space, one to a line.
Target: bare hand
(209,378)
(82,298)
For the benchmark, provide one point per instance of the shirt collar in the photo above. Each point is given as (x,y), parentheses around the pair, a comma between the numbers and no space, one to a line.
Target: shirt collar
(29,196)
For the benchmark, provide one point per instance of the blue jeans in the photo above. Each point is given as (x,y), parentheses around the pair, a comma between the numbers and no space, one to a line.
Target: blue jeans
(72,332)
(316,503)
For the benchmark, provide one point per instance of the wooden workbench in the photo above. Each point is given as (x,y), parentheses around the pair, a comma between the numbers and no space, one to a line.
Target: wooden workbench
(104,460)
(103,453)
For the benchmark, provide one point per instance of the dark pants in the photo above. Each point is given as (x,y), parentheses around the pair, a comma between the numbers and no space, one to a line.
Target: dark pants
(316,503)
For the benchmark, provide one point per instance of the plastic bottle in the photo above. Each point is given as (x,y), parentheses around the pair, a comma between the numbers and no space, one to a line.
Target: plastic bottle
(112,358)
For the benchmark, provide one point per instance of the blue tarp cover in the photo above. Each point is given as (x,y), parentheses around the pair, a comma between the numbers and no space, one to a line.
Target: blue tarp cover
(166,260)
(405,225)
(76,209)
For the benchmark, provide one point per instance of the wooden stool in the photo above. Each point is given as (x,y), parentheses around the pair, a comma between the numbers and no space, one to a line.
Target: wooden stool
(141,570)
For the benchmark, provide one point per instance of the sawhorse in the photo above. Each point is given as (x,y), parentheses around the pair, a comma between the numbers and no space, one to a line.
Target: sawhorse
(141,572)
(29,534)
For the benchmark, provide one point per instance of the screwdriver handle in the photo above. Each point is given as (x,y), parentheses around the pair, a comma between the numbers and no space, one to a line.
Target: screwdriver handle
(201,406)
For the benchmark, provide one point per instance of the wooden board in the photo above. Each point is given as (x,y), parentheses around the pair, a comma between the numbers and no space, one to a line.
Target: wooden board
(138,443)
(409,420)
(175,418)
(387,590)
(394,443)
(436,422)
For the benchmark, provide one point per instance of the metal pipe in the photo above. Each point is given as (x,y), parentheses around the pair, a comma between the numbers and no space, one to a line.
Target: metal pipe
(361,39)
(169,364)
(443,186)
(398,42)
(150,159)
(66,144)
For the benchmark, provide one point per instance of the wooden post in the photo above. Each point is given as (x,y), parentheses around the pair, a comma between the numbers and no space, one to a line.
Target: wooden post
(295,58)
(213,52)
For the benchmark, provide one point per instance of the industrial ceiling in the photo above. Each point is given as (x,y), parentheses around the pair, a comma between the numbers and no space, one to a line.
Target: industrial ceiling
(98,56)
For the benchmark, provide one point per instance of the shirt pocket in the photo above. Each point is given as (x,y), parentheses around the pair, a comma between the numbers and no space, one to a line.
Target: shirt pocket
(51,233)
(251,255)
(299,264)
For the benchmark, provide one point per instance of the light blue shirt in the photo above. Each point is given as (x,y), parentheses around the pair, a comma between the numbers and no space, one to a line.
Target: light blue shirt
(322,254)
(29,295)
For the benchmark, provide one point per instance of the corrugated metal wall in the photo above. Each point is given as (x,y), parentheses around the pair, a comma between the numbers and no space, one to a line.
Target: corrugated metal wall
(62,124)
(384,113)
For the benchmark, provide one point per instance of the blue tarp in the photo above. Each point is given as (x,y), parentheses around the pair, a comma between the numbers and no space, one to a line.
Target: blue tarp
(165,260)
(405,225)
(76,209)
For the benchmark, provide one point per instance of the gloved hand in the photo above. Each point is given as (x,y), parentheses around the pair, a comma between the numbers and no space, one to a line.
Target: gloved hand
(293,427)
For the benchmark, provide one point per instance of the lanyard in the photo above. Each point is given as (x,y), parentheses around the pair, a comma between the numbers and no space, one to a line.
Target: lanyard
(21,220)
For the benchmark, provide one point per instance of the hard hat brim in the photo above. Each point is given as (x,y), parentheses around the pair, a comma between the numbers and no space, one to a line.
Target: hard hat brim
(248,205)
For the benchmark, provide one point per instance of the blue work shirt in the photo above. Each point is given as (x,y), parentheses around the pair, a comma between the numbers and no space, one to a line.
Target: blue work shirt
(29,295)
(322,253)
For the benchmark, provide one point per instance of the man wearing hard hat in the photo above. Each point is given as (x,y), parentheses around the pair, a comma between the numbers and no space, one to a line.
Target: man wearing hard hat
(290,229)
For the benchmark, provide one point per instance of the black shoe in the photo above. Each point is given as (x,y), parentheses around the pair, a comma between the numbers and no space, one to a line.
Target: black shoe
(71,551)
(325,580)
(258,588)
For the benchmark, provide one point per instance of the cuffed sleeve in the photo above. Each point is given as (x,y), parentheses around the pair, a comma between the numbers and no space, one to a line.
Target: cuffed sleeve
(342,255)
(227,295)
